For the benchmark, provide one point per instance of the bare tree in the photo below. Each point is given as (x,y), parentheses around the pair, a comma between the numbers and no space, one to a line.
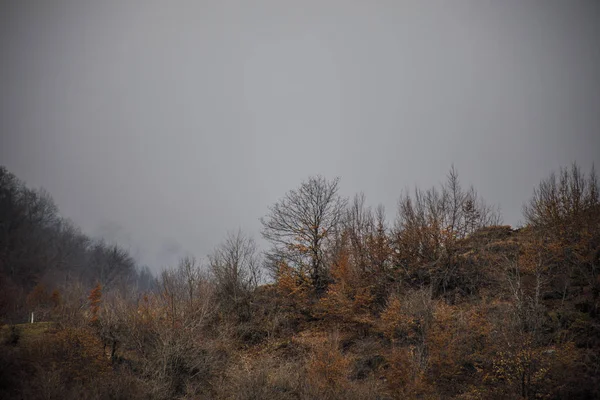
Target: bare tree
(235,264)
(171,333)
(367,234)
(300,224)
(185,292)
(464,212)
(171,294)
(112,265)
(359,225)
(428,225)
(571,199)
(448,212)
(565,209)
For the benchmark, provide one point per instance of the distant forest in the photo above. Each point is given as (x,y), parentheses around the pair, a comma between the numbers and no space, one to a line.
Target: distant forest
(440,301)
(40,250)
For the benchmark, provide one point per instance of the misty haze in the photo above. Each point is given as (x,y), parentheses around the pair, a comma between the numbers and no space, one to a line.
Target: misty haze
(299,200)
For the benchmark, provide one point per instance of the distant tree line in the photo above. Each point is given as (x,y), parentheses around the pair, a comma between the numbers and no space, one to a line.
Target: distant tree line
(40,248)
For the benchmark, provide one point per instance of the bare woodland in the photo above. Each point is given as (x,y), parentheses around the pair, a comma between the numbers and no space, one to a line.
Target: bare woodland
(440,301)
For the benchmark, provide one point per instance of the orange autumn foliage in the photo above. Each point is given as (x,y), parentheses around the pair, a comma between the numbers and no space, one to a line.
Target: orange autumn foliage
(95,299)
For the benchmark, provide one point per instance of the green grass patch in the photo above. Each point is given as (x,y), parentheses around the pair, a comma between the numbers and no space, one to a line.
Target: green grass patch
(23,334)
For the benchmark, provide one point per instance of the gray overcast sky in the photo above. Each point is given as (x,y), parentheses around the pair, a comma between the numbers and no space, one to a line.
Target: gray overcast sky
(163,124)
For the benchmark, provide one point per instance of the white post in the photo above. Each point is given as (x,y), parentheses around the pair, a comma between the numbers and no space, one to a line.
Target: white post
(32,317)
